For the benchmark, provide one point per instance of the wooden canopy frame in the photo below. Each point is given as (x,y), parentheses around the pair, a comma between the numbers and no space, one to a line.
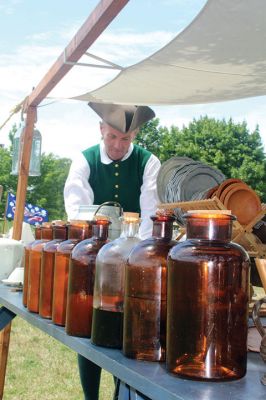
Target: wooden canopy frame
(96,23)
(92,28)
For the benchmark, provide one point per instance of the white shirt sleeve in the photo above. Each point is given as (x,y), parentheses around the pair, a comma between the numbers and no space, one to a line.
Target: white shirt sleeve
(77,190)
(149,198)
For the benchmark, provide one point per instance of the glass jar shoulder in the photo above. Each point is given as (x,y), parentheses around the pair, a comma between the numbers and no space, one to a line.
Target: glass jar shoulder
(28,246)
(87,246)
(67,246)
(196,247)
(117,250)
(52,245)
(38,246)
(149,250)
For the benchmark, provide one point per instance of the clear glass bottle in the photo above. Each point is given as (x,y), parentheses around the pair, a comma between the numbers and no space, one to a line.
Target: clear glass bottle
(16,151)
(47,268)
(108,295)
(26,263)
(35,259)
(77,231)
(36,153)
(207,301)
(145,293)
(81,280)
(36,147)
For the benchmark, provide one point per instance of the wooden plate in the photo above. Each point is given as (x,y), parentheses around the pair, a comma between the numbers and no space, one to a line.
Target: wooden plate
(210,192)
(225,184)
(229,188)
(243,202)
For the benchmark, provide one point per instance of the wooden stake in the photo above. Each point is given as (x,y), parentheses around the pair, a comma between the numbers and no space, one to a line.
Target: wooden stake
(4,345)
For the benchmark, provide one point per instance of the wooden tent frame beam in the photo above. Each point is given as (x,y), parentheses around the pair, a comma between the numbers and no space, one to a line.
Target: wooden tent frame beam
(96,23)
(92,28)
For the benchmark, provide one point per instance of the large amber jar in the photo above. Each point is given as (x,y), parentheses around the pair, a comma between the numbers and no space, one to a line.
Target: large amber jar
(35,259)
(81,280)
(108,295)
(26,263)
(145,293)
(77,231)
(47,268)
(207,303)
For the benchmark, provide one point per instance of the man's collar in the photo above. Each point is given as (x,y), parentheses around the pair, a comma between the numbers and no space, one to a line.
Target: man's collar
(105,159)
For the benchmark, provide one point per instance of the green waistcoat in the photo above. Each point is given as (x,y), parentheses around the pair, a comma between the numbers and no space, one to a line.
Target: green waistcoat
(118,181)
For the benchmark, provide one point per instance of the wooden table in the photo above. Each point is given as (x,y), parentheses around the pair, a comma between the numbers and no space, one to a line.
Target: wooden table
(140,378)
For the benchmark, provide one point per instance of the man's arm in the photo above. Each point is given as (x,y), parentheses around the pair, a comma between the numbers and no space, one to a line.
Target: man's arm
(148,197)
(77,190)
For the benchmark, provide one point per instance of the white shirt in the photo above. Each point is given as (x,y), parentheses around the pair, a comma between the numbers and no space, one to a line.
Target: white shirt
(78,191)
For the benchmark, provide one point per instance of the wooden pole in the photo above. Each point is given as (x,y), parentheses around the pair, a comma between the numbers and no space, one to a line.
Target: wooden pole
(4,345)
(92,28)
(24,172)
(96,23)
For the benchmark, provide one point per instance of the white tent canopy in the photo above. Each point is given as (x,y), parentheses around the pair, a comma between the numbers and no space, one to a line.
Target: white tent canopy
(220,56)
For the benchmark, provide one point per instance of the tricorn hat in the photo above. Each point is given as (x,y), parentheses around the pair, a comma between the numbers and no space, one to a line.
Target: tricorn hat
(122,117)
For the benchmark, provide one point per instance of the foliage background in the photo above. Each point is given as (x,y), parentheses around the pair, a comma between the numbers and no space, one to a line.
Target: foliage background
(226,145)
(46,190)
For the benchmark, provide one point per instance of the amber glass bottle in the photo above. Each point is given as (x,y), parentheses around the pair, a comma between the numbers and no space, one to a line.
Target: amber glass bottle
(77,231)
(145,293)
(108,295)
(26,263)
(47,268)
(35,258)
(81,280)
(207,302)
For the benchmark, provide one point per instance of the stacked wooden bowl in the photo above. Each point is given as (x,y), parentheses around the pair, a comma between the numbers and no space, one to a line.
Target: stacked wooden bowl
(238,197)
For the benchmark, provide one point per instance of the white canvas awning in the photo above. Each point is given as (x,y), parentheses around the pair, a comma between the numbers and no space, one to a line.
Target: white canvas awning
(220,56)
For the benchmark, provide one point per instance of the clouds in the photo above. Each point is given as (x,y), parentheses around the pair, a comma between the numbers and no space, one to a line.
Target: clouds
(25,65)
(71,126)
(8,7)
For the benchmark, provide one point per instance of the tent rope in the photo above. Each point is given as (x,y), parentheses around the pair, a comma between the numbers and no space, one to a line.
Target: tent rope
(19,107)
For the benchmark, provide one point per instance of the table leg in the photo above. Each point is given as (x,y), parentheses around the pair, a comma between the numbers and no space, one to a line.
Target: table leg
(6,317)
(123,391)
(134,395)
(4,345)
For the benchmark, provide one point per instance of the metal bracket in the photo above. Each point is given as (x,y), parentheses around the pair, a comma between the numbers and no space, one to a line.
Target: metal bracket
(109,64)
(6,317)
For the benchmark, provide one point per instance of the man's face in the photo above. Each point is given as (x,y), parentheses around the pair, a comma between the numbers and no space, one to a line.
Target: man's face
(116,143)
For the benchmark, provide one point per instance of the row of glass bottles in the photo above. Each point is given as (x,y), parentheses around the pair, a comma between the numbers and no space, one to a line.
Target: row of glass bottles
(204,281)
(48,262)
(207,295)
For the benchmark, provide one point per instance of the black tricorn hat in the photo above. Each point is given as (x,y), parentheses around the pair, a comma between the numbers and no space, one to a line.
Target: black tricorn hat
(122,117)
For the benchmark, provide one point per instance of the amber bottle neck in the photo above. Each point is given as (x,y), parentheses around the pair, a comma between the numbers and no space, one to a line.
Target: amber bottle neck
(162,229)
(129,229)
(209,229)
(100,231)
(38,233)
(60,232)
(47,233)
(80,232)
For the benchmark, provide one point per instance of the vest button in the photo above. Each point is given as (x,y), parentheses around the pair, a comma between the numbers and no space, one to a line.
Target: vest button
(116,165)
(116,196)
(116,173)
(116,186)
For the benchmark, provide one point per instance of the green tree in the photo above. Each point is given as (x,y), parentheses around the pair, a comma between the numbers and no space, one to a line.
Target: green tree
(226,145)
(46,190)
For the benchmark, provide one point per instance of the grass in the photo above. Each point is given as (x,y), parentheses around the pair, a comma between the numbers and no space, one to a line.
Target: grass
(41,368)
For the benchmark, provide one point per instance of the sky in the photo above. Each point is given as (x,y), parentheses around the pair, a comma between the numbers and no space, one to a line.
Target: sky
(32,36)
